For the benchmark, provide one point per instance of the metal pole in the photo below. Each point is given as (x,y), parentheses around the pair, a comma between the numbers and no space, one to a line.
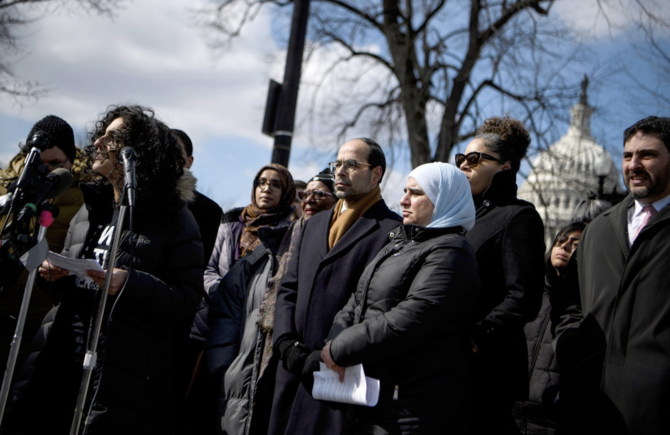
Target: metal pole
(18,333)
(288,98)
(90,359)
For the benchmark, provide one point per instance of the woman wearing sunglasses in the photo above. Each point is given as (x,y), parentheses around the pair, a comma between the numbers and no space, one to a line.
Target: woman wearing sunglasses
(404,321)
(508,241)
(241,316)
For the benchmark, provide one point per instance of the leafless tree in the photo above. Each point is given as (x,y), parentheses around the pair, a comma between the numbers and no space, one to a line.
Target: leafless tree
(15,14)
(433,68)
(652,21)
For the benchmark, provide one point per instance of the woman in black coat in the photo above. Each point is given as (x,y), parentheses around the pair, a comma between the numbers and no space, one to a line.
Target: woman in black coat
(537,415)
(404,321)
(156,283)
(508,242)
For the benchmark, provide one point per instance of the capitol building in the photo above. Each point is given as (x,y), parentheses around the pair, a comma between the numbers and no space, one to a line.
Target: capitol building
(562,176)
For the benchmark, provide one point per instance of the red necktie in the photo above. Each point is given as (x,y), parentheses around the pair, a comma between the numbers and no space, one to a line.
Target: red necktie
(650,211)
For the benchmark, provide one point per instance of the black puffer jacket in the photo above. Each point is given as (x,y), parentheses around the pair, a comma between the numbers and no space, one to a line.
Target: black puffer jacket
(404,321)
(132,387)
(537,415)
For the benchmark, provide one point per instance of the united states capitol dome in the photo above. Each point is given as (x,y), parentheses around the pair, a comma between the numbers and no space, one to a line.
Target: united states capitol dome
(562,176)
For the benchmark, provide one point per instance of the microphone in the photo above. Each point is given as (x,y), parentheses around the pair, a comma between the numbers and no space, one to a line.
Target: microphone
(39,140)
(129,158)
(56,183)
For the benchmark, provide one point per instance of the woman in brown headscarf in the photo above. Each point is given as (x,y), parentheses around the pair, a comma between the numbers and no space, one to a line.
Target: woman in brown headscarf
(271,205)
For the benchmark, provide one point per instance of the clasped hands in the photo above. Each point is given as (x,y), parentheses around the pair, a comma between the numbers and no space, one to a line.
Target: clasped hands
(119,276)
(299,360)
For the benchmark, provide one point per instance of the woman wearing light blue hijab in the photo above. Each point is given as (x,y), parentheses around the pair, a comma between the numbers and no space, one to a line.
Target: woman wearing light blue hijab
(405,319)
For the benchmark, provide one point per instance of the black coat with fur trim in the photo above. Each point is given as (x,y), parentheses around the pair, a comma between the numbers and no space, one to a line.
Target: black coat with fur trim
(131,390)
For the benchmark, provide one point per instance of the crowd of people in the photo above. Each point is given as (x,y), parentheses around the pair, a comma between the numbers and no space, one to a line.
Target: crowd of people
(216,321)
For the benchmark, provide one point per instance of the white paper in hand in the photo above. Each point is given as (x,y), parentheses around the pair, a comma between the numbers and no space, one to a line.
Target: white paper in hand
(357,389)
(73,265)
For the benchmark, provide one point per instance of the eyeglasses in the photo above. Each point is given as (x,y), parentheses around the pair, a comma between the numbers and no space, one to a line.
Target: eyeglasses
(272,184)
(319,195)
(54,164)
(349,165)
(473,159)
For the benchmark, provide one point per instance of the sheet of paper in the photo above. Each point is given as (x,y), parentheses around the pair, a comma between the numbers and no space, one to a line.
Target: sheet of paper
(75,266)
(357,389)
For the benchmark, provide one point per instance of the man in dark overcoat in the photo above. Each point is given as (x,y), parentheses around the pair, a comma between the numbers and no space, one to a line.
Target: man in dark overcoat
(613,313)
(331,255)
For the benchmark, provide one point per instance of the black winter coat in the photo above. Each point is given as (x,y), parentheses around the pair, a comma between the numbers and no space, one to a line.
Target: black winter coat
(405,320)
(317,284)
(133,383)
(613,328)
(207,215)
(508,239)
(537,415)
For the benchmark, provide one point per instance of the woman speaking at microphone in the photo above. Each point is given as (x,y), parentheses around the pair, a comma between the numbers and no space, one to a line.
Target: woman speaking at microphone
(155,286)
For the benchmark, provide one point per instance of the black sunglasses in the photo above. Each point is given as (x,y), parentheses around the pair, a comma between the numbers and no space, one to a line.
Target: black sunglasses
(473,159)
(319,195)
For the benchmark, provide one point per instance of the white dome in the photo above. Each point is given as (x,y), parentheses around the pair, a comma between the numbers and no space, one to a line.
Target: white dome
(563,175)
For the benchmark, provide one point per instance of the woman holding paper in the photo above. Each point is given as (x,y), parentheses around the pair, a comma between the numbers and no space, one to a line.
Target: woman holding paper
(405,319)
(156,283)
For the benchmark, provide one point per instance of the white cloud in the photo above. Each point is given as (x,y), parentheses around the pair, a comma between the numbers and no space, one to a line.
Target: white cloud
(596,20)
(150,54)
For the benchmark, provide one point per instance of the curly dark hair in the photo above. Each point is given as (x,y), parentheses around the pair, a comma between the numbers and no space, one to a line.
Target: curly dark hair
(506,136)
(160,162)
(651,125)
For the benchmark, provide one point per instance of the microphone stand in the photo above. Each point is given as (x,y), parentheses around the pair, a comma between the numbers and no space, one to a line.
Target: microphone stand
(90,359)
(45,220)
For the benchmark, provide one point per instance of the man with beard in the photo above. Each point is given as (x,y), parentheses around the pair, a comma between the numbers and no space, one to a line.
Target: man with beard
(331,255)
(612,334)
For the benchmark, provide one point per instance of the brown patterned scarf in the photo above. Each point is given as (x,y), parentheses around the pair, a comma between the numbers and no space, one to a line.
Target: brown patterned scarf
(266,314)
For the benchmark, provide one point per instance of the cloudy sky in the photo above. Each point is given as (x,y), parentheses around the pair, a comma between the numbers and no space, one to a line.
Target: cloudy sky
(152,54)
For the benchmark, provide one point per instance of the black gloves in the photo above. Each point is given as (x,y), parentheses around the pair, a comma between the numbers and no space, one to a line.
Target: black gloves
(311,366)
(293,355)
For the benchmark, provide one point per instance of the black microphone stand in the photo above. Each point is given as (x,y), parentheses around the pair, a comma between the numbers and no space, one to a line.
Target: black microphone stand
(90,359)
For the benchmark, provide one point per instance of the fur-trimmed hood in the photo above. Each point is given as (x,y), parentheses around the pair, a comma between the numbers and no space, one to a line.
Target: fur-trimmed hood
(186,186)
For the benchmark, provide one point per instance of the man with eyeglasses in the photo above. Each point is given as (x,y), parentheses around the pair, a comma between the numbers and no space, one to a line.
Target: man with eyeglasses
(331,255)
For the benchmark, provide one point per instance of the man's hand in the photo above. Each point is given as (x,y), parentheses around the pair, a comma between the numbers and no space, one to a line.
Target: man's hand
(328,360)
(50,272)
(119,277)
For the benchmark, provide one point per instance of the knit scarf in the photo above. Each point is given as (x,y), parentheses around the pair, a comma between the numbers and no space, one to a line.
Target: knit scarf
(343,220)
(254,218)
(266,314)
